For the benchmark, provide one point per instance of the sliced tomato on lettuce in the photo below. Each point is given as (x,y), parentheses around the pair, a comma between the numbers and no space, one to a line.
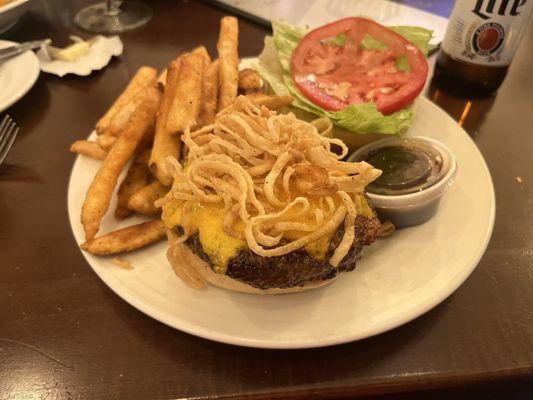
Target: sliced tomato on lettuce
(334,68)
(275,67)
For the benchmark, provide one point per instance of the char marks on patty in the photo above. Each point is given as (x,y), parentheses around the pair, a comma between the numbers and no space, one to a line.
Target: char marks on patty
(295,268)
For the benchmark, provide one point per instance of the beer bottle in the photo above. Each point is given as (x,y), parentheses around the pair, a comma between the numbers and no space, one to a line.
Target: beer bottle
(481,39)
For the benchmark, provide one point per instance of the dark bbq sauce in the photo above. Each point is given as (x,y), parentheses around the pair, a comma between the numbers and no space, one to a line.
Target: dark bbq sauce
(407,167)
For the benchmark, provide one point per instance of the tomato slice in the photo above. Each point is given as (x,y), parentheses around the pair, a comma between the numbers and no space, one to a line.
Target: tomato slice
(335,73)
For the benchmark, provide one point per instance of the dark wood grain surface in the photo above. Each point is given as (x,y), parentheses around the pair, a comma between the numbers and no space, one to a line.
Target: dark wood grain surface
(64,334)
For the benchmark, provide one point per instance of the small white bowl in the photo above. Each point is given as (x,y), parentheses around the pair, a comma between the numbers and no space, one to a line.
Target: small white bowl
(410,209)
(11,13)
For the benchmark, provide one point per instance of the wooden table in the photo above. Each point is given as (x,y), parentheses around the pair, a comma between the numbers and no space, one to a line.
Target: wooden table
(64,334)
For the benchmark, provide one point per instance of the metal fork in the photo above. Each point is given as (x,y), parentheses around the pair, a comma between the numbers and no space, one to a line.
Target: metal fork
(8,133)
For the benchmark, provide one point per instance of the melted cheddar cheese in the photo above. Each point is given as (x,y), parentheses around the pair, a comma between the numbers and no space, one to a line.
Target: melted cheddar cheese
(207,220)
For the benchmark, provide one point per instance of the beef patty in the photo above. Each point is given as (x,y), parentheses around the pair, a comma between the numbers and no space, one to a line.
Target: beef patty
(295,268)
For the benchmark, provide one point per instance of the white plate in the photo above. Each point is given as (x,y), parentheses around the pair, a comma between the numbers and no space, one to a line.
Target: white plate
(11,13)
(320,12)
(398,278)
(17,76)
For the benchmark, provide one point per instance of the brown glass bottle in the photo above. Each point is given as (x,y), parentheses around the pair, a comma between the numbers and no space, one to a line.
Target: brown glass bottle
(480,42)
(463,78)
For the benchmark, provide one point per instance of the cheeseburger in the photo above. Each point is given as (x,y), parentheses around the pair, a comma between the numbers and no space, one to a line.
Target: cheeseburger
(262,203)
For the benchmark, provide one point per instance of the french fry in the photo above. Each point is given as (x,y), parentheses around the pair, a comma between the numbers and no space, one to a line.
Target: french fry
(165,144)
(249,80)
(208,108)
(148,137)
(229,61)
(87,148)
(162,78)
(99,194)
(185,107)
(202,52)
(142,201)
(144,77)
(270,102)
(138,176)
(121,119)
(126,239)
(106,141)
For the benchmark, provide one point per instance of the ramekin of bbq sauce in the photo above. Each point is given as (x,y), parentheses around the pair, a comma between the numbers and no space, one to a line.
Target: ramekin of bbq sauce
(416,171)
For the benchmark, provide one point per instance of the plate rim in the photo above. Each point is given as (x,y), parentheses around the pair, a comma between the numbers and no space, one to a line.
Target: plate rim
(436,298)
(35,72)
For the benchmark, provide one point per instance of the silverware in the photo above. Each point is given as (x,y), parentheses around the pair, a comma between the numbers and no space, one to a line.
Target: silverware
(8,133)
(20,48)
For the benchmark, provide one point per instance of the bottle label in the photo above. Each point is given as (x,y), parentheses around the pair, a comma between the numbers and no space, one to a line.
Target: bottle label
(486,32)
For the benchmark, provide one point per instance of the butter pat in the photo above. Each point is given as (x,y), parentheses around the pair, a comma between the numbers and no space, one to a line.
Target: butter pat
(72,52)
(81,57)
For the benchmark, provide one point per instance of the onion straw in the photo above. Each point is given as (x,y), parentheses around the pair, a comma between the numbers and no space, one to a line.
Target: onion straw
(274,175)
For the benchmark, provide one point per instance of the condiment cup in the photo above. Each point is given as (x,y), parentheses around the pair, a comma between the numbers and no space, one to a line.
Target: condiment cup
(414,208)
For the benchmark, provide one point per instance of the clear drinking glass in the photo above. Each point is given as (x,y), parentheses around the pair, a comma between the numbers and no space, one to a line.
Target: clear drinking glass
(113,16)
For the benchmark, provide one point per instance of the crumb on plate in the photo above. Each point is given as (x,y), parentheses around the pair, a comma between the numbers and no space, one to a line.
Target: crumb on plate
(122,263)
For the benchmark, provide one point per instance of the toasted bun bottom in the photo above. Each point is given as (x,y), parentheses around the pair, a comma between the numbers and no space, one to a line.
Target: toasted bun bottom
(194,272)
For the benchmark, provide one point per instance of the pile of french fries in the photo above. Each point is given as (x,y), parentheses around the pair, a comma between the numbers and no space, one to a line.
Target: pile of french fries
(144,125)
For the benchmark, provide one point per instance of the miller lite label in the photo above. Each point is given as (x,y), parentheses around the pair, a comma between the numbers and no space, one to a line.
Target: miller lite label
(486,32)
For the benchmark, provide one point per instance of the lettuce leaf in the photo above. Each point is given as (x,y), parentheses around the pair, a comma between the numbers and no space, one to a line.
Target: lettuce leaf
(274,67)
(420,37)
(369,43)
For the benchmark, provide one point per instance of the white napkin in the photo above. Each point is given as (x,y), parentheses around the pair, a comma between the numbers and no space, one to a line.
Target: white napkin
(99,55)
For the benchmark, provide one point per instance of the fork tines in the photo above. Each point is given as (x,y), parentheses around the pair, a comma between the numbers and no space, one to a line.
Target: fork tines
(8,133)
